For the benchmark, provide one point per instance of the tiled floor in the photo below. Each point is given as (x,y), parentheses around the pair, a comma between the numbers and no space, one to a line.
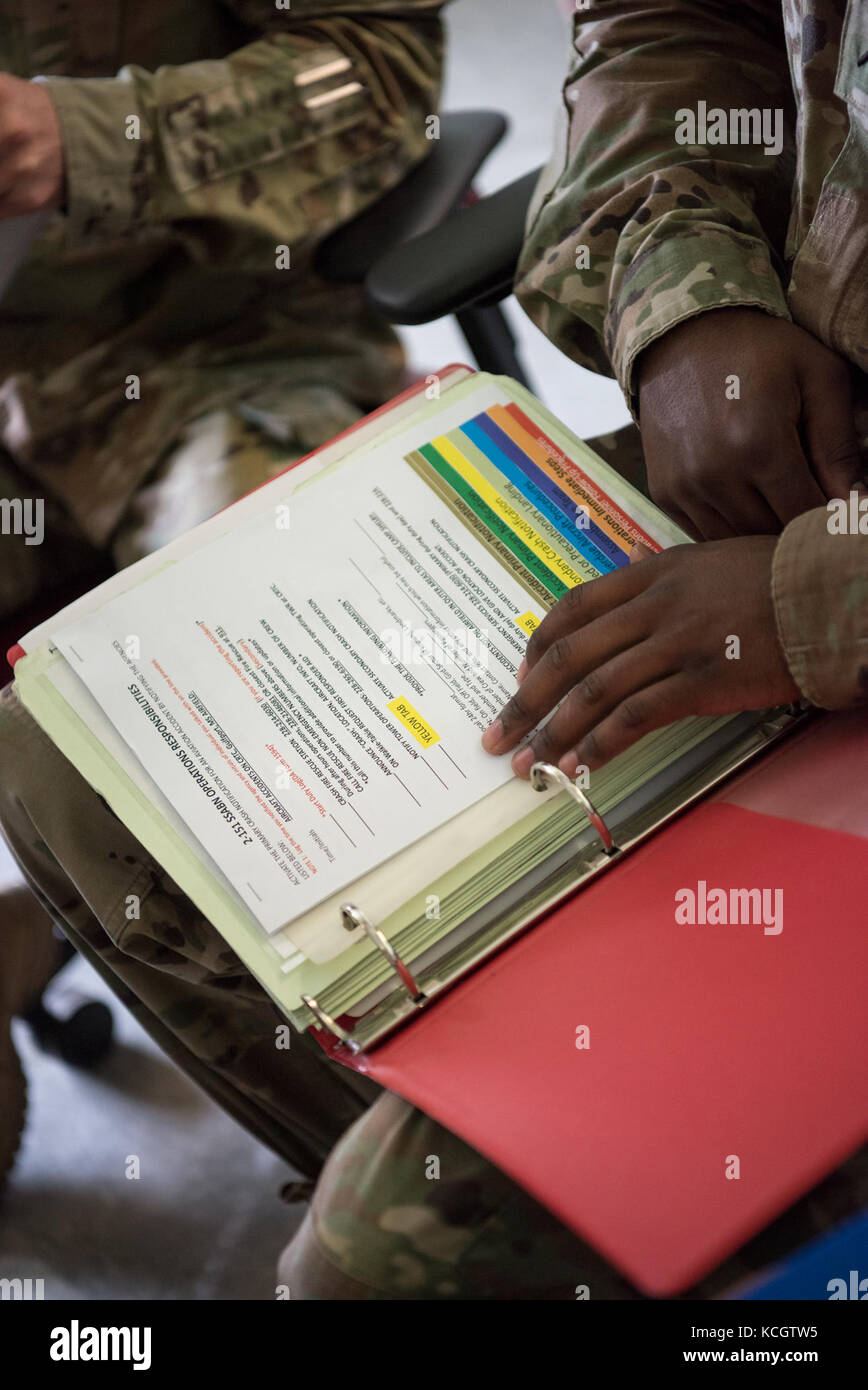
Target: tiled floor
(203,1221)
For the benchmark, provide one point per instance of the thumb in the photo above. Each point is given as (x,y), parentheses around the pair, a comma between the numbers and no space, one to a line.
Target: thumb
(830,437)
(639,552)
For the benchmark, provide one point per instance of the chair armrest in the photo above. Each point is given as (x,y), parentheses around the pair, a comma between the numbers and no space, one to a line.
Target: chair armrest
(428,194)
(468,259)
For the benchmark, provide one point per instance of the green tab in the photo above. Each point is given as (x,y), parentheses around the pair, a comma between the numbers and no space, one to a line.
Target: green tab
(495,524)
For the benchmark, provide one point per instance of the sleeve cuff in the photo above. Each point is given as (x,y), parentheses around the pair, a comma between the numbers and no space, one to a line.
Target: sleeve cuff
(107,173)
(680,276)
(820,593)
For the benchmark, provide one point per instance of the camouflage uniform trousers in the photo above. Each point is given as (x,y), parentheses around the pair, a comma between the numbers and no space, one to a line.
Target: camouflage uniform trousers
(168,966)
(381,1225)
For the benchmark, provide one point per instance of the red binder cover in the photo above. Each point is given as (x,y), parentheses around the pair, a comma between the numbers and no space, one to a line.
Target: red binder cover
(707,1042)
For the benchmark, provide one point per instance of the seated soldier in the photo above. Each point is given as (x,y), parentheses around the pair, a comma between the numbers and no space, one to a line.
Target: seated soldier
(732,307)
(166,347)
(684,290)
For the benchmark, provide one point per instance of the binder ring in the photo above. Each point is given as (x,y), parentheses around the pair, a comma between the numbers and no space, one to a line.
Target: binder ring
(326,1021)
(353,918)
(543,773)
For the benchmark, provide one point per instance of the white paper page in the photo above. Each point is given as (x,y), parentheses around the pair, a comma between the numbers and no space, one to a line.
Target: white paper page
(250,680)
(79,698)
(381,892)
(361,437)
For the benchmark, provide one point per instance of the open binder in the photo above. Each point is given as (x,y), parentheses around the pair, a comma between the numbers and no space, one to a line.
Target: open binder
(477,1026)
(596,845)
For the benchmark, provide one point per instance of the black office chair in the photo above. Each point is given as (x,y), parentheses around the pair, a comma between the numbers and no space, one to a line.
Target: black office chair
(429,248)
(464,266)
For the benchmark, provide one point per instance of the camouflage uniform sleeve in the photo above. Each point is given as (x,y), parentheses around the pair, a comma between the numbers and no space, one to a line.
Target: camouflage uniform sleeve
(820,590)
(277,143)
(668,229)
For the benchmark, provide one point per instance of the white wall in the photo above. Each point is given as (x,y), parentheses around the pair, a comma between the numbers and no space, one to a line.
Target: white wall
(510,55)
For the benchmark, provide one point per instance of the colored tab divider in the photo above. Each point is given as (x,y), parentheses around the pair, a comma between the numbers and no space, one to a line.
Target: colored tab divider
(533,517)
(549,556)
(569,476)
(476,524)
(568,516)
(493,523)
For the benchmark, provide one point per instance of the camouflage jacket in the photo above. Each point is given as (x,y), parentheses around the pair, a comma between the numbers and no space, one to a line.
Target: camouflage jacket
(199,137)
(632,231)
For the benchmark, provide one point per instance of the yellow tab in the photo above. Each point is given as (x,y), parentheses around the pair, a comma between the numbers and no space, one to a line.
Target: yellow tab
(413,722)
(523,529)
(528,622)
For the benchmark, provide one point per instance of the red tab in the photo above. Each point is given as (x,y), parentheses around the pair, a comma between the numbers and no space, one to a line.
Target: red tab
(587,484)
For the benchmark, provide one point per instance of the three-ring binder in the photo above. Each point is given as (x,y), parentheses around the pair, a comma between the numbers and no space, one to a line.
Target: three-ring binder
(352,919)
(541,774)
(330,1024)
(507,916)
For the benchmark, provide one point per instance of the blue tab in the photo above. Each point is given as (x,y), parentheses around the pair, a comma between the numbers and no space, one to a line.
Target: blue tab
(545,494)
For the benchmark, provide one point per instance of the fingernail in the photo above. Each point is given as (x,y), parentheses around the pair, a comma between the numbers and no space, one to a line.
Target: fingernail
(523,762)
(522,671)
(568,764)
(492,736)
(586,758)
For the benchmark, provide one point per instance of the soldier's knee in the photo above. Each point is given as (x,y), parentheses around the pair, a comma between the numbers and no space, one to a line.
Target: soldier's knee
(25,757)
(10,723)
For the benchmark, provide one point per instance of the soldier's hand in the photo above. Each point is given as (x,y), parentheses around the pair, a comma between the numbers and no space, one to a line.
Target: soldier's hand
(643,646)
(746,421)
(31,149)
